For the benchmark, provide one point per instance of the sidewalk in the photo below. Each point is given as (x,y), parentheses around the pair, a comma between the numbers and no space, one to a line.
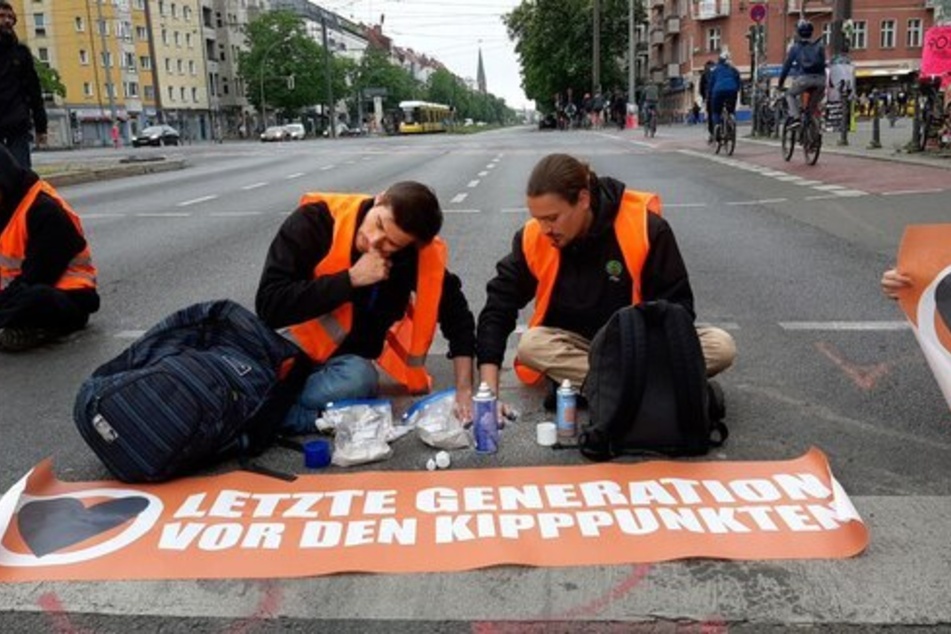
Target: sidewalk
(76,172)
(893,141)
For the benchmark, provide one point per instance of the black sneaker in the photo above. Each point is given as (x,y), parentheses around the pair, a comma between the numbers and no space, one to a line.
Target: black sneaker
(21,339)
(716,405)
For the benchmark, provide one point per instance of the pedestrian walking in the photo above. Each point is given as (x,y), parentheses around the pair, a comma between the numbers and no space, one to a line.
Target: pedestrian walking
(21,98)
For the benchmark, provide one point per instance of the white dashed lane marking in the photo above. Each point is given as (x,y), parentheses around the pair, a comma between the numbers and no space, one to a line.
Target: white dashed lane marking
(253,186)
(195,201)
(458,198)
(164,214)
(294,175)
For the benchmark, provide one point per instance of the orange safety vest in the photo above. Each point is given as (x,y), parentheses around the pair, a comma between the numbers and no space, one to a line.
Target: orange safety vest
(80,272)
(543,258)
(408,341)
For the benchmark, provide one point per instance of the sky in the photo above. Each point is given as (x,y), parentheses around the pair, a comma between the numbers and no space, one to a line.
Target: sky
(450,31)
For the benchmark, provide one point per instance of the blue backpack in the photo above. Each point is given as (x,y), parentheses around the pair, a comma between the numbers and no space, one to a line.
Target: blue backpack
(812,58)
(208,382)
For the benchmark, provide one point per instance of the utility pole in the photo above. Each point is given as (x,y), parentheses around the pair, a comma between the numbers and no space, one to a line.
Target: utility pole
(332,116)
(155,72)
(107,57)
(842,12)
(596,65)
(631,50)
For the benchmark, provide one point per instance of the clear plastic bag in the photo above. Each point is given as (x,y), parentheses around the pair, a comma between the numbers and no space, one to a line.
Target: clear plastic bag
(362,430)
(436,423)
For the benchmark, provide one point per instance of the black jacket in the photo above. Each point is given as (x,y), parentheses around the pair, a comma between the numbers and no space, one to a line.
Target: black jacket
(20,92)
(53,238)
(288,293)
(592,282)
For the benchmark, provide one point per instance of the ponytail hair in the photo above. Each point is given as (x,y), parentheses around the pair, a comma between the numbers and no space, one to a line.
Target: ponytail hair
(564,176)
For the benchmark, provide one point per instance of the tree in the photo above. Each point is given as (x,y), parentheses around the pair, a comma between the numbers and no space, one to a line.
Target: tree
(554,42)
(50,81)
(377,71)
(279,48)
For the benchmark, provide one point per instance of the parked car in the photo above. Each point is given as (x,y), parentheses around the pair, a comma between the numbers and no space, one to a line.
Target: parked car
(157,135)
(295,131)
(275,133)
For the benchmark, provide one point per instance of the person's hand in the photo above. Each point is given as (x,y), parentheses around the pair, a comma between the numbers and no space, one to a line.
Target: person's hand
(372,267)
(41,139)
(893,283)
(462,408)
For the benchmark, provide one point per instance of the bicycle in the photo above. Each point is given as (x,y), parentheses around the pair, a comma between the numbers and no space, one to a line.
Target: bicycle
(650,124)
(808,131)
(724,133)
(931,120)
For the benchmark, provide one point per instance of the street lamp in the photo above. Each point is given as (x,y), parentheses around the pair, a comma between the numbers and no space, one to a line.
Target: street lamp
(263,64)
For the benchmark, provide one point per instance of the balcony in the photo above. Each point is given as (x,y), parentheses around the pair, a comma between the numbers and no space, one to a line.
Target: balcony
(713,9)
(809,6)
(657,37)
(673,24)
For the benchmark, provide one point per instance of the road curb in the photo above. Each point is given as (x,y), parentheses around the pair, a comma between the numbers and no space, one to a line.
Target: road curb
(894,157)
(115,171)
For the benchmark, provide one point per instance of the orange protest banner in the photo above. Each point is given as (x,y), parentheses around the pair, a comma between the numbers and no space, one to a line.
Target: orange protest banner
(925,256)
(242,525)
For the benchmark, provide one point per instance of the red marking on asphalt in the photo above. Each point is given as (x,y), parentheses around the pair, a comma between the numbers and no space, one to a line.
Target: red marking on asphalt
(268,606)
(864,376)
(634,578)
(53,607)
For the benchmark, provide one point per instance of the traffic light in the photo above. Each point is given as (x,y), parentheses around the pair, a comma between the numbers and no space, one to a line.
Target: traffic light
(761,38)
(751,36)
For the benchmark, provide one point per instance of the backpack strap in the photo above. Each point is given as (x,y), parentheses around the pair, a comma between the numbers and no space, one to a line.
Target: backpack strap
(684,346)
(632,330)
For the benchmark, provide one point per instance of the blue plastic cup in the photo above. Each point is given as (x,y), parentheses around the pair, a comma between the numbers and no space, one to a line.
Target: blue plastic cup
(317,454)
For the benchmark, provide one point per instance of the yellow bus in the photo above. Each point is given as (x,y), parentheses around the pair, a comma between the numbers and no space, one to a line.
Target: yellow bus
(420,117)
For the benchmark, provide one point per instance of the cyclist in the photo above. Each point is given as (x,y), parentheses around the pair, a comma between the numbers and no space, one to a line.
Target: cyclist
(705,95)
(651,97)
(806,64)
(724,87)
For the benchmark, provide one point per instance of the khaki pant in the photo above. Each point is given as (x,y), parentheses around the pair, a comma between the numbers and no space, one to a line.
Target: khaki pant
(561,354)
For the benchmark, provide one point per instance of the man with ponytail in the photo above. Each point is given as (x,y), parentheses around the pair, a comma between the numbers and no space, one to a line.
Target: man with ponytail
(592,247)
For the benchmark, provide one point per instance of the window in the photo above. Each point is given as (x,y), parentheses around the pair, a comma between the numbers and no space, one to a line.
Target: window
(87,89)
(195,95)
(859,35)
(164,37)
(191,66)
(129,60)
(106,59)
(713,39)
(83,57)
(174,10)
(43,54)
(178,39)
(913,39)
(145,62)
(188,40)
(888,34)
(180,67)
(218,21)
(161,7)
(187,13)
(80,25)
(39,24)
(149,92)
(131,89)
(171,93)
(103,27)
(181,93)
(140,5)
(224,86)
(168,65)
(141,33)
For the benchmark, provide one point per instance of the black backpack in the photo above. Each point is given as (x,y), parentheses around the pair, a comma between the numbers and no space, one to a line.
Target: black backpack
(812,57)
(647,388)
(208,382)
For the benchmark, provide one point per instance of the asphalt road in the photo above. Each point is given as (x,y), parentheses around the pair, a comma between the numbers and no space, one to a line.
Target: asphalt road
(785,256)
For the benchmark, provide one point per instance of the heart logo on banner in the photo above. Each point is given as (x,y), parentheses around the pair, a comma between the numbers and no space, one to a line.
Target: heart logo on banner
(48,526)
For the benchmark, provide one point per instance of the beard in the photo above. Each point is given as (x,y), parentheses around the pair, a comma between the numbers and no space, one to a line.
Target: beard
(8,36)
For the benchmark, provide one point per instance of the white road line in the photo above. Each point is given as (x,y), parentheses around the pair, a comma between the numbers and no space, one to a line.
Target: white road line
(514,210)
(788,178)
(458,198)
(129,334)
(809,183)
(765,201)
(823,197)
(490,166)
(483,173)
(844,325)
(904,192)
(195,201)
(672,205)
(462,211)
(293,176)
(828,188)
(850,193)
(254,186)
(169,214)
(472,184)
(87,216)
(234,214)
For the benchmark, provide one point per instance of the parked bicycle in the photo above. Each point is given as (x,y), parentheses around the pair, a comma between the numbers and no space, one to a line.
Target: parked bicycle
(724,132)
(931,119)
(806,132)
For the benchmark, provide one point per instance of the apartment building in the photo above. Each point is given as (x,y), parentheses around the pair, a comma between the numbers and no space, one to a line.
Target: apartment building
(101,51)
(223,35)
(684,34)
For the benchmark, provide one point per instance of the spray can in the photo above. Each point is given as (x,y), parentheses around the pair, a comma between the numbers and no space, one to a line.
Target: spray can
(485,420)
(566,411)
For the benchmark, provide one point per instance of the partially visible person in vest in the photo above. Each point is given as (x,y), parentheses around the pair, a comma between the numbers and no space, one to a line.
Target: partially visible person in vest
(592,247)
(355,280)
(47,278)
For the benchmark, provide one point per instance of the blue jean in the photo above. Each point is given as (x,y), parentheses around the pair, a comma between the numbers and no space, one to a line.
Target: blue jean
(19,147)
(345,377)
